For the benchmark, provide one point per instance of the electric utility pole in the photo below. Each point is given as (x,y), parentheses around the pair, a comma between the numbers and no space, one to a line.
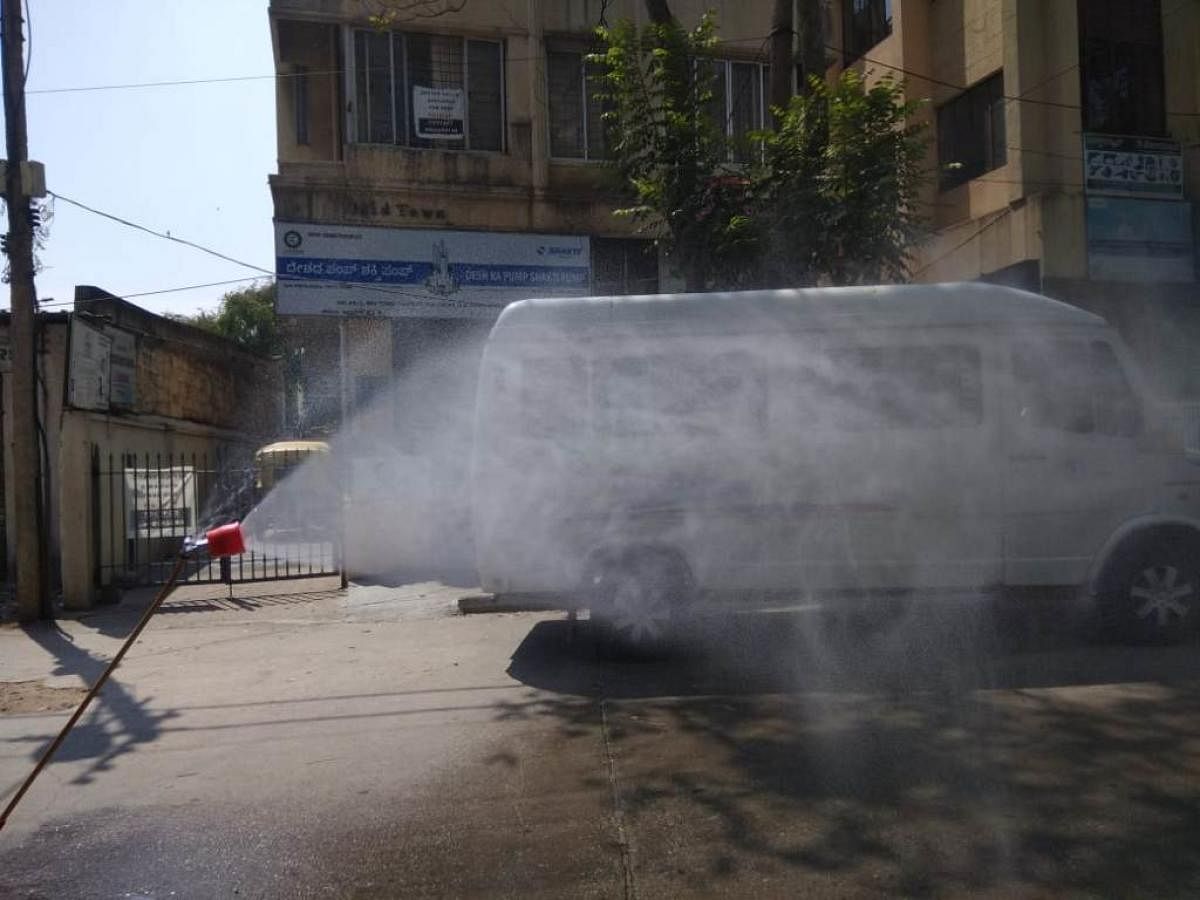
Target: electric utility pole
(26,470)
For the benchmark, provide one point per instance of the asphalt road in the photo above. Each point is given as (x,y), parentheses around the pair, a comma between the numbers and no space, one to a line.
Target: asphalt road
(374,744)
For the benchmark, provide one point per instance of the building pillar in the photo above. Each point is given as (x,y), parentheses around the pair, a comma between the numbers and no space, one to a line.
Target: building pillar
(538,103)
(77,539)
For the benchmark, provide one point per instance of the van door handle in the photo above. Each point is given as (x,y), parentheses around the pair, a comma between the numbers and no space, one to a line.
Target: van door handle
(1027,457)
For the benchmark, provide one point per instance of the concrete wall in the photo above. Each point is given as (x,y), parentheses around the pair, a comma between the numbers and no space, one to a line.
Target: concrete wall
(188,374)
(91,534)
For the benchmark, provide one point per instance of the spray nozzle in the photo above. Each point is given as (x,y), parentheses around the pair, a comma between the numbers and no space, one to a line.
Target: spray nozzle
(194,544)
(224,540)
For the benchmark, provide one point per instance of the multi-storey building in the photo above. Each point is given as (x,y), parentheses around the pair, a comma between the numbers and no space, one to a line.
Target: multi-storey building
(434,169)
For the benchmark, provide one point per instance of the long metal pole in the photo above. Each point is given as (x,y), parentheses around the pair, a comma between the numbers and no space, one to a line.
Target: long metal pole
(49,752)
(342,459)
(26,481)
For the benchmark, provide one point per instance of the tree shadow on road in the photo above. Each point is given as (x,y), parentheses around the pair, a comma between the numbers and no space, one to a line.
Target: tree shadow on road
(939,758)
(117,722)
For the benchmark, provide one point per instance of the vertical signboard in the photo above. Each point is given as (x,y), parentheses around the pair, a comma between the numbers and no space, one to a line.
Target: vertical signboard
(354,271)
(87,373)
(122,368)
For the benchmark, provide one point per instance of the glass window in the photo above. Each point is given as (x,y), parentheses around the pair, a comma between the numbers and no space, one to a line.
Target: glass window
(1121,66)
(624,266)
(434,64)
(564,74)
(972,138)
(423,90)
(1076,387)
(745,106)
(577,128)
(373,87)
(737,104)
(864,24)
(682,395)
(902,387)
(485,102)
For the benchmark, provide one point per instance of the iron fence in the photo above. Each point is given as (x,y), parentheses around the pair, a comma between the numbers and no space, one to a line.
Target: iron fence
(145,505)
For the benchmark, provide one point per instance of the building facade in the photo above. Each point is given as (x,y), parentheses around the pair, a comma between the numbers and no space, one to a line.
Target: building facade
(434,169)
(131,403)
(1065,155)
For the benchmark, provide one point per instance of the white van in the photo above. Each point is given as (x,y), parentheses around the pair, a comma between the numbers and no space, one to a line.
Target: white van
(644,456)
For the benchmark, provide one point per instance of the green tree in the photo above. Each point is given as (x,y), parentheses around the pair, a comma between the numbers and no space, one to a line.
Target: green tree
(837,191)
(246,317)
(831,197)
(670,152)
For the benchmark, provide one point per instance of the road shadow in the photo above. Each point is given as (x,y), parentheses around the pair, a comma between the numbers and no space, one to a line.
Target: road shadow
(941,757)
(116,723)
(251,603)
(944,649)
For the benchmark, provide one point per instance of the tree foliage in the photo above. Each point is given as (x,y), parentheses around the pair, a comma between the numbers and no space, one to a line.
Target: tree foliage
(667,147)
(829,196)
(838,184)
(389,13)
(246,317)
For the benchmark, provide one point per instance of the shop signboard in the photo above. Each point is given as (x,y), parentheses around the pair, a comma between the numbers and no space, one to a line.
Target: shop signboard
(1132,166)
(337,270)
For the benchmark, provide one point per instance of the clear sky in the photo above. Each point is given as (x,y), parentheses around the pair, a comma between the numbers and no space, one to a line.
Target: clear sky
(189,159)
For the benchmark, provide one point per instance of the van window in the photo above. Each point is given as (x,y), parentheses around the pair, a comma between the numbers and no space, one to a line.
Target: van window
(1075,386)
(681,394)
(937,386)
(553,397)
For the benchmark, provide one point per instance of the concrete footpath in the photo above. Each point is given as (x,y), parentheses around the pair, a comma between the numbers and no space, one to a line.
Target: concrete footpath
(374,743)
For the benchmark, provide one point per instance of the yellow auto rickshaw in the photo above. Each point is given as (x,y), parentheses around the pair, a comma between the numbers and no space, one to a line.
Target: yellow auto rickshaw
(297,487)
(274,462)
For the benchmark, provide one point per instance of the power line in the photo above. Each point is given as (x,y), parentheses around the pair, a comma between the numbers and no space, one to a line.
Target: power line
(164,235)
(362,285)
(170,290)
(178,83)
(760,40)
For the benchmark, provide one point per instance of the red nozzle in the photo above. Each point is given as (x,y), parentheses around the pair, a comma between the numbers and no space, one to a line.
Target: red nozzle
(226,540)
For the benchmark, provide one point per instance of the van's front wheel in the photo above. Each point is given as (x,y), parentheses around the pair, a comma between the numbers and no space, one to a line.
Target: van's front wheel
(1154,596)
(634,606)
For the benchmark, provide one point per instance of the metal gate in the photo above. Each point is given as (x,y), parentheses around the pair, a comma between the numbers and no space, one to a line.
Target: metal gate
(145,505)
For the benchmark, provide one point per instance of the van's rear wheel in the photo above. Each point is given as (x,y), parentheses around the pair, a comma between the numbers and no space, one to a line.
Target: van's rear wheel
(635,603)
(1154,594)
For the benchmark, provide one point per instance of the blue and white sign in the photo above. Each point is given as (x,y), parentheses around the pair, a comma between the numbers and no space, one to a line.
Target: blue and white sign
(1139,240)
(336,270)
